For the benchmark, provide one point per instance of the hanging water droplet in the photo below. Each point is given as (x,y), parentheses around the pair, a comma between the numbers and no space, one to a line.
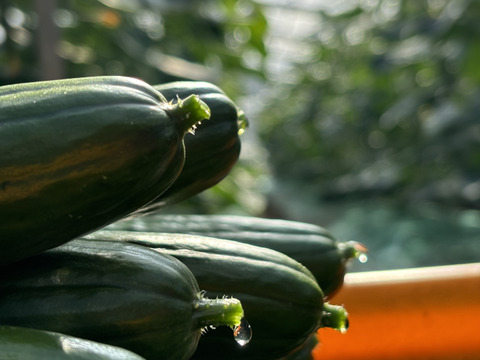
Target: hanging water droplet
(242,332)
(363,258)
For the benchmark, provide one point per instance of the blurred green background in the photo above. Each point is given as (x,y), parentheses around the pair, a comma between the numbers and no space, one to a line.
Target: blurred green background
(363,114)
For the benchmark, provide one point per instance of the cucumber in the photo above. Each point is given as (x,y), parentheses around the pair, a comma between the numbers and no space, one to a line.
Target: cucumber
(78,154)
(312,245)
(282,301)
(114,293)
(214,148)
(17,343)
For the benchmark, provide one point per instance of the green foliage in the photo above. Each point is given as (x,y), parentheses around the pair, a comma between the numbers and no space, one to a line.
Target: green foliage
(157,41)
(384,104)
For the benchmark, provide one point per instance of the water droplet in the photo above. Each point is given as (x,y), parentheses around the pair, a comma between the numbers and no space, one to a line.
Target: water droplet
(242,332)
(363,258)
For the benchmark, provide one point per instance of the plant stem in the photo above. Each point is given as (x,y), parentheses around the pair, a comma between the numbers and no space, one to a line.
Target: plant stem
(218,312)
(335,317)
(189,112)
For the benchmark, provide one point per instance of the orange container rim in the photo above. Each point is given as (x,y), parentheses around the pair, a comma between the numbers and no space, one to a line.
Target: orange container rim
(419,313)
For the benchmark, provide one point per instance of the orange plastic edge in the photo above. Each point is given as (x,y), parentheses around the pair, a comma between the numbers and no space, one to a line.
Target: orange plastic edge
(421,313)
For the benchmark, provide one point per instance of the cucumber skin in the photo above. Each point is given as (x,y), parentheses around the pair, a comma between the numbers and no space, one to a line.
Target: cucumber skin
(78,154)
(32,344)
(313,246)
(114,293)
(211,152)
(282,301)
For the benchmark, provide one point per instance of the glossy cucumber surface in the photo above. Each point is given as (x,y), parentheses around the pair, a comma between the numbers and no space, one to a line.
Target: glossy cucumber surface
(115,293)
(17,343)
(282,301)
(78,154)
(312,245)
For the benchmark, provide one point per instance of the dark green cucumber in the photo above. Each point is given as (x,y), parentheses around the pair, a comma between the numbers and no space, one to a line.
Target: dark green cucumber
(313,246)
(32,344)
(134,84)
(282,301)
(119,294)
(305,352)
(78,154)
(214,148)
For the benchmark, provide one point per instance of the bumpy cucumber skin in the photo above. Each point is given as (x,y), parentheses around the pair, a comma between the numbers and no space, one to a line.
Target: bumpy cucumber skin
(282,301)
(313,246)
(114,293)
(78,154)
(211,152)
(32,344)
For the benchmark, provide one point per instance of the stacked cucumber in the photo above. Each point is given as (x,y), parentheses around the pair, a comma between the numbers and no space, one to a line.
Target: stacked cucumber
(90,270)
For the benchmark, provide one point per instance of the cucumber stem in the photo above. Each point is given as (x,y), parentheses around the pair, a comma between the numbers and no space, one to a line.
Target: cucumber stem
(189,112)
(335,317)
(217,312)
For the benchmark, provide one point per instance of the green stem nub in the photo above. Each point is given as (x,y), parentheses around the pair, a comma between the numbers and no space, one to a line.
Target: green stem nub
(335,317)
(190,112)
(218,312)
